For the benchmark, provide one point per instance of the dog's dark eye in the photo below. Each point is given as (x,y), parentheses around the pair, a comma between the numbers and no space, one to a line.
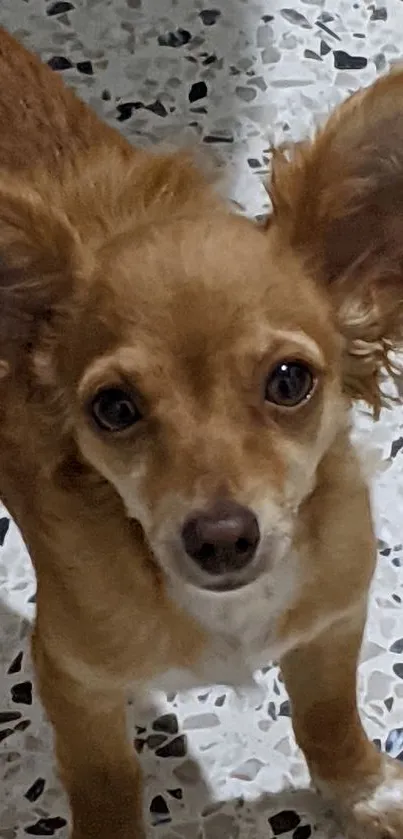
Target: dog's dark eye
(289,384)
(113,409)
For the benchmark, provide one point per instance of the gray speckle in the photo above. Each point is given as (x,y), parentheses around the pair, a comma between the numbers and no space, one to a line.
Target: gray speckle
(248,94)
(264,36)
(292,16)
(200,721)
(188,772)
(271,55)
(248,770)
(221,825)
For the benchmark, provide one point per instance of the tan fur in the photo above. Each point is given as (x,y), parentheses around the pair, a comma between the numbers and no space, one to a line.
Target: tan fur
(118,266)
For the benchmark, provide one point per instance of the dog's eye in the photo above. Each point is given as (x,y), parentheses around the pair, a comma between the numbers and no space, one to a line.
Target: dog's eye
(289,384)
(113,409)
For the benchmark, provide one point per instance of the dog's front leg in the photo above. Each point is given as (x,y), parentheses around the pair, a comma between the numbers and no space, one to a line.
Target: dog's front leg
(96,760)
(365,787)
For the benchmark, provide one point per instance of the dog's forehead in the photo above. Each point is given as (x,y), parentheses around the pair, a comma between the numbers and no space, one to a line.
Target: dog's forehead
(195,273)
(198,292)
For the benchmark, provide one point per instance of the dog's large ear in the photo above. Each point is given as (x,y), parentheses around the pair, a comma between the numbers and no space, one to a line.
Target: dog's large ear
(338,200)
(40,255)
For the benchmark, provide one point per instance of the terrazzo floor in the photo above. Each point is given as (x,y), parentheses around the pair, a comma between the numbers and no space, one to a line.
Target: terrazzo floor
(232,77)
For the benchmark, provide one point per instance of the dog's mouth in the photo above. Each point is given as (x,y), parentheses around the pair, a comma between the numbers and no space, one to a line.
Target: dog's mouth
(223,586)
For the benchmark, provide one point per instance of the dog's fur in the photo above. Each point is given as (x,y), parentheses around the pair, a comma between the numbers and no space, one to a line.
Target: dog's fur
(123,266)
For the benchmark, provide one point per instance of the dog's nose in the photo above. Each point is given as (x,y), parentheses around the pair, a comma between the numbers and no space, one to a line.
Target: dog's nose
(222,538)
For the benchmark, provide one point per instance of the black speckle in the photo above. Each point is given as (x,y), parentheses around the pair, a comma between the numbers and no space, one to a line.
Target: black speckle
(267,18)
(5,732)
(22,693)
(168,723)
(37,788)
(219,702)
(126,109)
(106,95)
(155,740)
(139,744)
(285,709)
(22,726)
(32,599)
(302,832)
(377,743)
(284,821)
(157,108)
(397,647)
(396,598)
(85,67)
(327,30)
(159,810)
(46,827)
(59,62)
(254,163)
(396,447)
(396,562)
(379,14)
(59,8)
(385,551)
(394,740)
(174,39)
(209,16)
(210,139)
(159,806)
(271,710)
(389,703)
(140,729)
(211,59)
(324,48)
(176,793)
(9,716)
(344,61)
(176,748)
(4,526)
(197,91)
(312,54)
(16,664)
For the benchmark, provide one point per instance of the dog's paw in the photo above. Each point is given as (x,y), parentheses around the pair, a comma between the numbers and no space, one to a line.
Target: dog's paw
(379,814)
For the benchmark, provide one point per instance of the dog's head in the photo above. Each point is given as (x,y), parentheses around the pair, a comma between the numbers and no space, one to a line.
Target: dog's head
(202,365)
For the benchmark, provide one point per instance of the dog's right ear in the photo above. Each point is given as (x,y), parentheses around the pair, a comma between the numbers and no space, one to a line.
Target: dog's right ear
(41,258)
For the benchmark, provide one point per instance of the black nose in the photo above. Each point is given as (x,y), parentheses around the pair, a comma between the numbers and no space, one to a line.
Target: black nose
(222,538)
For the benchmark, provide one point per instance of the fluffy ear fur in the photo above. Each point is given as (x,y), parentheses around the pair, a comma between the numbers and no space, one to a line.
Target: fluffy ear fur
(40,253)
(339,201)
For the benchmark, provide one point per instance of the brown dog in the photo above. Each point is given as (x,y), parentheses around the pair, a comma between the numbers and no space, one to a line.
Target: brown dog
(174,427)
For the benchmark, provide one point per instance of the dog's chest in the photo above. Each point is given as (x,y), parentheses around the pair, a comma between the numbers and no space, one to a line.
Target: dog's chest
(242,635)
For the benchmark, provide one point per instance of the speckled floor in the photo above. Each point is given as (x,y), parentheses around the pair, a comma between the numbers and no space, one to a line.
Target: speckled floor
(232,76)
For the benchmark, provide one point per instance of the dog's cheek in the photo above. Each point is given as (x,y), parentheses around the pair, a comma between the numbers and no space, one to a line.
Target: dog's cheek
(125,474)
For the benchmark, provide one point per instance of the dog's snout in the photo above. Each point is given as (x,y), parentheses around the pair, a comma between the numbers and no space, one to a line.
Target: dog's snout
(221,539)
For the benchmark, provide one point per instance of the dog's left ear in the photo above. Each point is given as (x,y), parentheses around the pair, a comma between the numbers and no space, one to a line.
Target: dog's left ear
(338,200)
